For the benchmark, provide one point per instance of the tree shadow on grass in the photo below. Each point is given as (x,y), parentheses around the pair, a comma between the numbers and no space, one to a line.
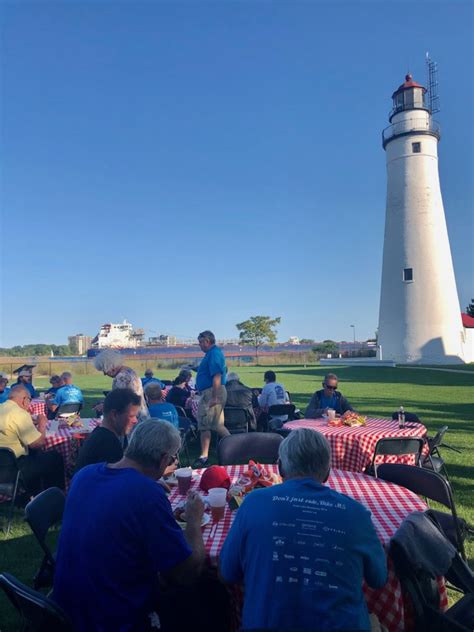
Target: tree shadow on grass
(385,375)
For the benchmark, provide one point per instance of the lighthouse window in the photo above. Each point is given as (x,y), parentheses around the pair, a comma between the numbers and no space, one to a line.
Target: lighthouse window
(408,274)
(416,148)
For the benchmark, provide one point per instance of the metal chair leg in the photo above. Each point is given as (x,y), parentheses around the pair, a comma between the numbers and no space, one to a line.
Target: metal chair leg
(12,505)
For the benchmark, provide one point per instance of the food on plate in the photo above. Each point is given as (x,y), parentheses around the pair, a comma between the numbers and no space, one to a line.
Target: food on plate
(257,476)
(351,418)
(180,515)
(73,421)
(335,423)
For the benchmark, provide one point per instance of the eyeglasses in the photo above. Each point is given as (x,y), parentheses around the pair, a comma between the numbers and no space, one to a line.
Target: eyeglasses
(173,459)
(331,388)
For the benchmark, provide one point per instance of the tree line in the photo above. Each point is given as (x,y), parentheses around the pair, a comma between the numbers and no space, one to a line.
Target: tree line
(19,351)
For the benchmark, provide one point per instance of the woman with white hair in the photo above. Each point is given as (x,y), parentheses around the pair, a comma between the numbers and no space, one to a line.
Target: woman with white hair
(111,363)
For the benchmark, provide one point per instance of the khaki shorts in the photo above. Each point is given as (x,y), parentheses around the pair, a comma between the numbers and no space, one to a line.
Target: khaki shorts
(211,418)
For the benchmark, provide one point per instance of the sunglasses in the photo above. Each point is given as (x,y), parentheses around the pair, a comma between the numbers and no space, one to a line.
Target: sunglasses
(331,388)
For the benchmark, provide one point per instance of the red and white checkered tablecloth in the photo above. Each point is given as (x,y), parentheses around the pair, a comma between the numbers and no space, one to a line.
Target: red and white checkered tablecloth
(353,448)
(389,505)
(37,407)
(66,442)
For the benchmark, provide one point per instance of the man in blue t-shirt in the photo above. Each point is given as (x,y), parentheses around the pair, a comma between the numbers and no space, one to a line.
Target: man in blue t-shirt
(302,549)
(66,394)
(210,382)
(149,379)
(118,533)
(157,408)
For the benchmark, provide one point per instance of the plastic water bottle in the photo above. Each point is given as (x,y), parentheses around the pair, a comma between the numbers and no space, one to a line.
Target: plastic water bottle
(401,417)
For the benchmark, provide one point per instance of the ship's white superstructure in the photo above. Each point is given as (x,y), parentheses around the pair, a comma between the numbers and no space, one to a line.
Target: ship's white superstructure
(118,335)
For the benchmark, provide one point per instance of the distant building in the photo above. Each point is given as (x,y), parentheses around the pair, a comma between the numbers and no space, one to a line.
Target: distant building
(163,340)
(293,340)
(80,344)
(117,336)
(228,341)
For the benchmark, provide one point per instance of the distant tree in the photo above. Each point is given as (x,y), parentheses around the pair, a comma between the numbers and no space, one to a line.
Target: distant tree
(470,308)
(258,330)
(307,341)
(326,347)
(35,350)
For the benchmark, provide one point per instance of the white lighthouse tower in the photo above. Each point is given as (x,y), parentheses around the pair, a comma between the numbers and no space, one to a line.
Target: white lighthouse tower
(419,319)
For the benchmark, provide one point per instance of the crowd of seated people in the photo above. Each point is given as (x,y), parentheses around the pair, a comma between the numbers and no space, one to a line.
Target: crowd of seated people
(149,568)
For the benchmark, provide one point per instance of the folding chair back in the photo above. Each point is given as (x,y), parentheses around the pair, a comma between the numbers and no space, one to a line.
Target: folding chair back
(38,612)
(436,441)
(434,460)
(278,410)
(41,513)
(418,580)
(68,409)
(397,446)
(44,511)
(240,448)
(235,419)
(432,486)
(8,471)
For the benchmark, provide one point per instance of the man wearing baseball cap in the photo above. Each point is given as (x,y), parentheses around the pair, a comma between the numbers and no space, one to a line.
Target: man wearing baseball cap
(25,378)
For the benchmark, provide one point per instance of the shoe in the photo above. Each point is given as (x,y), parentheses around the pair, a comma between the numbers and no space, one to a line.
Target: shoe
(201,462)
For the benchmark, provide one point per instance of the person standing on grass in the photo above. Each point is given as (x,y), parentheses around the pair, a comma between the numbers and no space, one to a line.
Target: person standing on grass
(210,382)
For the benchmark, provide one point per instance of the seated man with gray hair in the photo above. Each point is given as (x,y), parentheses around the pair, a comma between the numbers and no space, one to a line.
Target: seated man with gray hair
(302,549)
(119,533)
(241,396)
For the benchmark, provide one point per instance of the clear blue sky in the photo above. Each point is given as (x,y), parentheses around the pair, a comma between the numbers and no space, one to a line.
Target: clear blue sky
(187,165)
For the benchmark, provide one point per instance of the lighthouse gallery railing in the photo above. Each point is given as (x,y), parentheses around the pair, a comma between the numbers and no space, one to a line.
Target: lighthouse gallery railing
(408,126)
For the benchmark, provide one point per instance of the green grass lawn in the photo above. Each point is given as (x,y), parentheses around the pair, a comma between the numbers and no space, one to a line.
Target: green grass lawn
(436,397)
